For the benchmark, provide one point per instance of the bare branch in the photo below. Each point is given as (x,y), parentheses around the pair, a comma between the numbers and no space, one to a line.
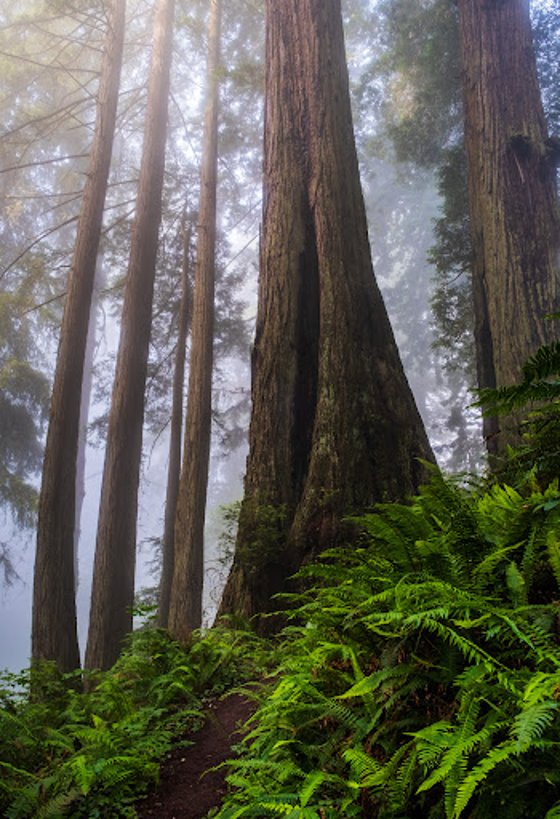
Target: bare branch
(36,241)
(42,162)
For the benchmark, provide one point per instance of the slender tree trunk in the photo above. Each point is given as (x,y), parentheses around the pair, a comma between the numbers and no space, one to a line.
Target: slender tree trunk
(85,402)
(54,634)
(512,189)
(185,609)
(115,557)
(334,426)
(174,468)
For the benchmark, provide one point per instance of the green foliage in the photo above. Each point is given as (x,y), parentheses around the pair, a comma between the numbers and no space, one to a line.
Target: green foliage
(420,674)
(24,396)
(265,537)
(539,392)
(541,382)
(93,754)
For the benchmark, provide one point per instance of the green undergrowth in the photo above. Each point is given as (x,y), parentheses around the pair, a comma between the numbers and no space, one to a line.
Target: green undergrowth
(420,673)
(94,754)
(418,676)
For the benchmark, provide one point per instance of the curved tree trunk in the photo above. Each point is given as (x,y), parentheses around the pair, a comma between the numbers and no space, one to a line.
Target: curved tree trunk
(334,426)
(185,609)
(112,594)
(513,199)
(54,633)
(174,468)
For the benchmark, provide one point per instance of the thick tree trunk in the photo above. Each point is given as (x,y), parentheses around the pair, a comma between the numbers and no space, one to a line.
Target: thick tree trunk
(54,634)
(513,199)
(174,468)
(185,610)
(113,574)
(334,426)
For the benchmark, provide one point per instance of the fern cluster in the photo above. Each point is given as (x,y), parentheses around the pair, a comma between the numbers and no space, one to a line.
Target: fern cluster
(538,396)
(421,672)
(94,754)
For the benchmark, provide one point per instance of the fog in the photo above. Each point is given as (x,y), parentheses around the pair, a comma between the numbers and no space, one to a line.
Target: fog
(402,203)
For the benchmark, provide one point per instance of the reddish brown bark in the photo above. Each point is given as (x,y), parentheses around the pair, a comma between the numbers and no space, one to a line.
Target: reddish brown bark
(334,425)
(185,608)
(113,574)
(512,189)
(174,467)
(54,635)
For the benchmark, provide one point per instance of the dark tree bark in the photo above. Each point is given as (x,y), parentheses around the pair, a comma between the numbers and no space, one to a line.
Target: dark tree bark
(174,468)
(54,634)
(513,198)
(334,426)
(113,574)
(185,610)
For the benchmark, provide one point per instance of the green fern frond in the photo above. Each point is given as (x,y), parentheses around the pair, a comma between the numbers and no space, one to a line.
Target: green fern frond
(542,686)
(462,744)
(310,785)
(83,772)
(516,584)
(13,769)
(58,806)
(553,550)
(531,723)
(496,756)
(538,383)
(272,808)
(544,363)
(363,766)
(393,675)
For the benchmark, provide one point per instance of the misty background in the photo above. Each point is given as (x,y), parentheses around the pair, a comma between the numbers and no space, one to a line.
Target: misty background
(50,70)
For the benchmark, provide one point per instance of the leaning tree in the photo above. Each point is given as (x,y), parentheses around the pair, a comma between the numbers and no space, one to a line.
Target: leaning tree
(54,632)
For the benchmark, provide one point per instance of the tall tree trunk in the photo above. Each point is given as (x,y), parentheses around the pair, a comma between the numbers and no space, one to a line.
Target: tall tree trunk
(85,402)
(112,594)
(512,189)
(185,609)
(174,468)
(54,633)
(334,425)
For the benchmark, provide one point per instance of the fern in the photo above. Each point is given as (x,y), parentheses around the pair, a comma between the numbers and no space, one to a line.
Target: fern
(553,549)
(429,639)
(59,805)
(531,723)
(497,756)
(537,384)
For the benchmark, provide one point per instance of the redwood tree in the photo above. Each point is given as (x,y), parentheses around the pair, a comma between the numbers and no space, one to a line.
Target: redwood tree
(334,425)
(174,466)
(54,634)
(512,190)
(185,608)
(113,574)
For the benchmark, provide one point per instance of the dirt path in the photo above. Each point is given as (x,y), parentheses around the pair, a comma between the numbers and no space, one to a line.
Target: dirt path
(183,792)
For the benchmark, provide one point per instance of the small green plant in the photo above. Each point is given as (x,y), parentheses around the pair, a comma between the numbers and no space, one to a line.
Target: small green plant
(229,514)
(94,754)
(537,397)
(264,528)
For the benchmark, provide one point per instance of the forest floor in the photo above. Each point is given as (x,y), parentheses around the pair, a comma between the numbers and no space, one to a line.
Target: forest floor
(188,787)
